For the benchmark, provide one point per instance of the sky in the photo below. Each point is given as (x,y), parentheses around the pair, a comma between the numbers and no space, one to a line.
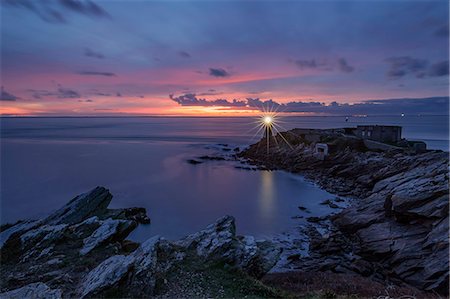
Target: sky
(68,57)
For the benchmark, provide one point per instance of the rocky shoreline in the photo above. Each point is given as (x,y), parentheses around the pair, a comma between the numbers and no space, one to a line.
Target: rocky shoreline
(396,230)
(392,240)
(81,251)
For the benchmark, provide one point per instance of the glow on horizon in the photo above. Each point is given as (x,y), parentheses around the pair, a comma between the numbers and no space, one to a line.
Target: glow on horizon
(140,52)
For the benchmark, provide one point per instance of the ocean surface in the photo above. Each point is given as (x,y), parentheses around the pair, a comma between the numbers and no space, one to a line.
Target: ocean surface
(45,162)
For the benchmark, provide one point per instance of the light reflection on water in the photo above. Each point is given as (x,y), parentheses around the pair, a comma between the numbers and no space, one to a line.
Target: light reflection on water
(267,195)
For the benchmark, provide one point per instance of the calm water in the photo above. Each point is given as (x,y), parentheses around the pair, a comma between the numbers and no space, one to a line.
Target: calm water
(47,161)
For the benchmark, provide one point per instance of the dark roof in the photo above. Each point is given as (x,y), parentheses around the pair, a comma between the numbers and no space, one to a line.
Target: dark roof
(365,126)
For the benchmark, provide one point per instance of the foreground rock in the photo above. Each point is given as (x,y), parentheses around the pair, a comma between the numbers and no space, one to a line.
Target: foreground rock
(81,251)
(398,227)
(37,290)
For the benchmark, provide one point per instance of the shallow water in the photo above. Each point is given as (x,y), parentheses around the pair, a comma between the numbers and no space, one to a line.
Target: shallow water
(47,161)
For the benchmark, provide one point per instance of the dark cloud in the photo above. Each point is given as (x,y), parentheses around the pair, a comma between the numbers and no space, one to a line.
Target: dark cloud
(435,105)
(306,64)
(39,93)
(190,99)
(87,7)
(344,66)
(439,69)
(404,65)
(39,8)
(90,53)
(6,96)
(50,11)
(210,92)
(118,94)
(64,93)
(60,92)
(184,54)
(86,101)
(218,72)
(442,31)
(93,73)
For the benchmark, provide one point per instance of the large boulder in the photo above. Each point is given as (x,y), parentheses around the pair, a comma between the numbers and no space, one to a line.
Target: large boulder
(107,229)
(219,241)
(105,275)
(133,275)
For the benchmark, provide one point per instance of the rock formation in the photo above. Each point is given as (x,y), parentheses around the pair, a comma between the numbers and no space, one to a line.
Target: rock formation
(396,228)
(80,251)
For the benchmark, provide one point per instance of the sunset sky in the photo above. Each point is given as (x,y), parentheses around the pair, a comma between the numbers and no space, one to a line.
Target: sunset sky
(176,57)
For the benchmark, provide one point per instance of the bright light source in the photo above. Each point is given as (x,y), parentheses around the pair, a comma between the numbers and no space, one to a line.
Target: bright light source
(267,120)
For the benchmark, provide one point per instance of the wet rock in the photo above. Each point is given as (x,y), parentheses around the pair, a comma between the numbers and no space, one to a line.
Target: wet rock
(244,168)
(212,158)
(313,219)
(36,290)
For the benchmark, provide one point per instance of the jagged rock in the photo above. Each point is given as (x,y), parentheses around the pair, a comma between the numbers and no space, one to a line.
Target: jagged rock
(400,220)
(219,241)
(137,214)
(17,228)
(142,262)
(83,206)
(105,275)
(36,290)
(108,229)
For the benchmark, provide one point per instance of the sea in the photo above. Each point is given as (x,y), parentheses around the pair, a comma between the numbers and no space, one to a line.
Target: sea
(46,161)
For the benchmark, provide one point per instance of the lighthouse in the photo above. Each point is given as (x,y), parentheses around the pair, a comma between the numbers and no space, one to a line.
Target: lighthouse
(268,126)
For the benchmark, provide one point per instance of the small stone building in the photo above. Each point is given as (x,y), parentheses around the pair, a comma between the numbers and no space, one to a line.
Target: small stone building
(390,134)
(321,150)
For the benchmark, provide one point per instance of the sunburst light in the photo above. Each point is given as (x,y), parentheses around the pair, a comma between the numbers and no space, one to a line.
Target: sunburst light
(269,124)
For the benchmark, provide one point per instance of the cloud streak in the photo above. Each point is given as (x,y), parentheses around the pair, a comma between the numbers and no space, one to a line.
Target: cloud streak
(184,54)
(60,93)
(6,96)
(340,64)
(94,73)
(54,11)
(439,69)
(218,72)
(90,53)
(87,8)
(433,105)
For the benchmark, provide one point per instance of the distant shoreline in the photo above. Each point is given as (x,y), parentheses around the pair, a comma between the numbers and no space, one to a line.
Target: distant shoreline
(204,116)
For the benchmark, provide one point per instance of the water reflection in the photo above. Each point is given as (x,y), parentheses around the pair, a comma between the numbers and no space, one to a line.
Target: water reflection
(267,195)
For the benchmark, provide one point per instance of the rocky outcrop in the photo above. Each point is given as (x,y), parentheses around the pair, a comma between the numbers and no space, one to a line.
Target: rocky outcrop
(83,206)
(219,241)
(80,251)
(37,290)
(135,274)
(396,229)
